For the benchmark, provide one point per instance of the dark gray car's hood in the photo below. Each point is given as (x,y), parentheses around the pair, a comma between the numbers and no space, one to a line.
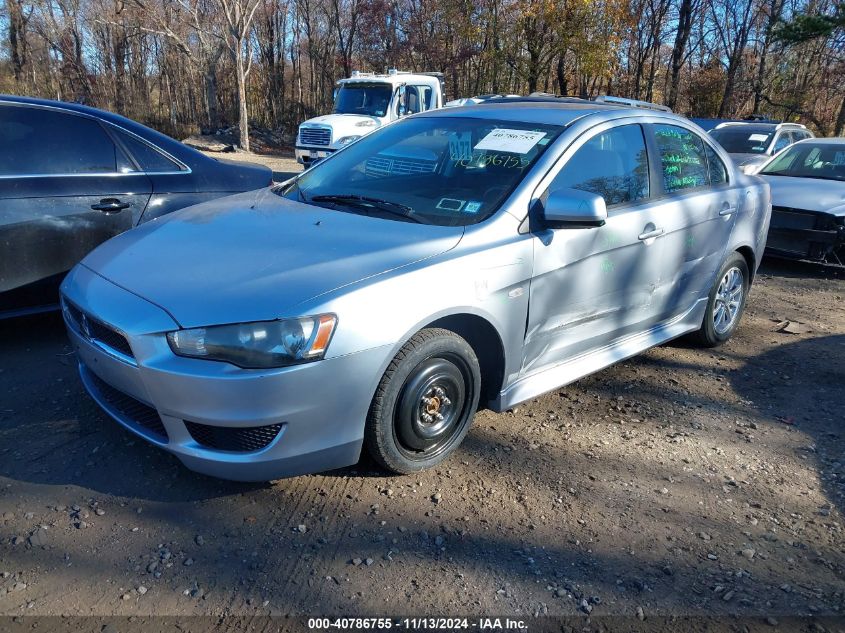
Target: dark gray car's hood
(255,256)
(810,194)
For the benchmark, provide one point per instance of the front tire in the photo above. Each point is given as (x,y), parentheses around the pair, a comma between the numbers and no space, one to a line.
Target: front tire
(425,402)
(726,302)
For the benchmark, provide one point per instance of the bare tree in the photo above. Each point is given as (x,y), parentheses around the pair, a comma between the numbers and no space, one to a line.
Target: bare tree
(239,15)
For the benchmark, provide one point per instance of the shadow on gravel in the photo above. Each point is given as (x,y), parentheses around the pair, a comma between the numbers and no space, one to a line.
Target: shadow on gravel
(51,432)
(801,384)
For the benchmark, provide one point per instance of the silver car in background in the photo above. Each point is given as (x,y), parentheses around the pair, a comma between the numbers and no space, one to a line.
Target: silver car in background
(808,201)
(464,257)
(752,144)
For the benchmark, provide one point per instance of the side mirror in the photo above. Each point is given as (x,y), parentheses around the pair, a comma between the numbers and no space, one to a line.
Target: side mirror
(573,208)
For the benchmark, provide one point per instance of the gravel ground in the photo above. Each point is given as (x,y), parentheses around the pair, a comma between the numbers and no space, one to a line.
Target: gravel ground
(680,482)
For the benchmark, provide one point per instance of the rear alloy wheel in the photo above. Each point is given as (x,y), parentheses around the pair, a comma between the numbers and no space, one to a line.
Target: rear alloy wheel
(725,303)
(425,402)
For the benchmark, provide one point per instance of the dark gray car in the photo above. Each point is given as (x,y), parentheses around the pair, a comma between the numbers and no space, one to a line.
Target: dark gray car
(71,177)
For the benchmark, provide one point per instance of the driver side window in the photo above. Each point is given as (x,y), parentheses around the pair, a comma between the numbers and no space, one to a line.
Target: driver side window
(612,164)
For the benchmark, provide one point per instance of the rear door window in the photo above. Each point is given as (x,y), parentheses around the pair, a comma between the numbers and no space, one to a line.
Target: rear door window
(612,164)
(44,142)
(682,158)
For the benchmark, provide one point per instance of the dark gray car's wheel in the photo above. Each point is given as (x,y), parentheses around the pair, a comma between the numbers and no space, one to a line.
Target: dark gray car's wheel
(424,403)
(725,303)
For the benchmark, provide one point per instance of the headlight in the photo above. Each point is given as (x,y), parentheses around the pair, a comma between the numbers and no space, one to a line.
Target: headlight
(259,345)
(346,140)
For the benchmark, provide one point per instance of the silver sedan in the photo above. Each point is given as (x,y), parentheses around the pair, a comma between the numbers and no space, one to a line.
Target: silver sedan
(468,257)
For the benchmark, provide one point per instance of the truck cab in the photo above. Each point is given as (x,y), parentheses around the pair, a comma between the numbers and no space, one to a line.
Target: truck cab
(364,102)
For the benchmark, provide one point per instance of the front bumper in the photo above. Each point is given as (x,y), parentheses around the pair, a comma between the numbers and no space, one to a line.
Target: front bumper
(810,235)
(246,425)
(311,155)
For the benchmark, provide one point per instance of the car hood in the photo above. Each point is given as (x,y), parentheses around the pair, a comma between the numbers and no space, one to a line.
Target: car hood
(256,256)
(810,194)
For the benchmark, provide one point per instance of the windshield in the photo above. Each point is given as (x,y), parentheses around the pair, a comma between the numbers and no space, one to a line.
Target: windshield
(365,99)
(741,140)
(810,160)
(450,171)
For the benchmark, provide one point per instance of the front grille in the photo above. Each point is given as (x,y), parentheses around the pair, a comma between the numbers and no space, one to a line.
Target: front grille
(315,136)
(131,410)
(383,166)
(95,330)
(225,438)
(786,218)
(806,234)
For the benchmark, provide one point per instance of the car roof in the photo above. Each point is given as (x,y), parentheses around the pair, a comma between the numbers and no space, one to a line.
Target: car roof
(832,140)
(537,110)
(72,107)
(767,126)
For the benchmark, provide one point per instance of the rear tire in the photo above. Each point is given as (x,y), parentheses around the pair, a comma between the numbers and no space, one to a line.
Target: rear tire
(726,303)
(425,402)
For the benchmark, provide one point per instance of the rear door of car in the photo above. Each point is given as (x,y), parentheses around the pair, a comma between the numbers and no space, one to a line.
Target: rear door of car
(65,187)
(174,185)
(696,207)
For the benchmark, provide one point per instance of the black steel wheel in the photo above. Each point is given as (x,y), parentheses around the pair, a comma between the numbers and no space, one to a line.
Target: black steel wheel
(425,402)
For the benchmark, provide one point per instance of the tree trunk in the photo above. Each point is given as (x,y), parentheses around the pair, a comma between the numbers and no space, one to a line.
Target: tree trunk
(561,74)
(776,9)
(679,51)
(213,114)
(17,38)
(839,127)
(240,72)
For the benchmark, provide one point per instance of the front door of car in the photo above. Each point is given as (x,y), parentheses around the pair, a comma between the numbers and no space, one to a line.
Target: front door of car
(696,207)
(65,187)
(591,286)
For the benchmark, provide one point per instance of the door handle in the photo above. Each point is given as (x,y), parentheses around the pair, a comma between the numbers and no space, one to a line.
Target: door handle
(728,209)
(110,206)
(650,234)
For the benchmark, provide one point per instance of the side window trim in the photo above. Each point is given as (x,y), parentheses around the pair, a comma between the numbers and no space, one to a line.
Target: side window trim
(112,131)
(121,148)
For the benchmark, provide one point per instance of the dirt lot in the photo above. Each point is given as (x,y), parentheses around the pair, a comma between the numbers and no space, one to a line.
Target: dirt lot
(680,482)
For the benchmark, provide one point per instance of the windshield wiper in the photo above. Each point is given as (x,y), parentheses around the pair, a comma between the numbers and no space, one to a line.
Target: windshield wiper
(789,175)
(367,202)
